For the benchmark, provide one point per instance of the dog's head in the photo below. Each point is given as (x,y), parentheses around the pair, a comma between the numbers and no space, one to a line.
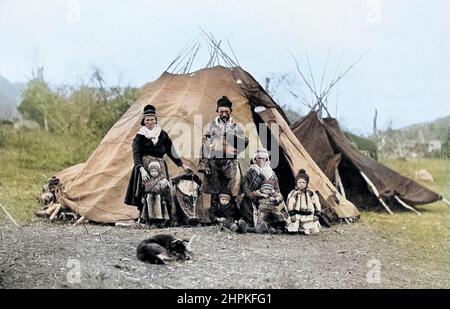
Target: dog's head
(178,248)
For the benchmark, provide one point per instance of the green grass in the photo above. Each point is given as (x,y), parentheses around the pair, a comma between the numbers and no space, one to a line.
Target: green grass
(425,238)
(28,158)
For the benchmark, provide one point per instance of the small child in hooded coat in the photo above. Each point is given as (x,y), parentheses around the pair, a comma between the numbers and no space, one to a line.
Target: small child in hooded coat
(157,195)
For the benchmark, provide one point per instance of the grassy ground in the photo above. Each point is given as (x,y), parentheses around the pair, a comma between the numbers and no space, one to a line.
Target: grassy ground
(28,158)
(425,238)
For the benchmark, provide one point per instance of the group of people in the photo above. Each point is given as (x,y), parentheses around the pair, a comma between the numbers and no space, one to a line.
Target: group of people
(249,203)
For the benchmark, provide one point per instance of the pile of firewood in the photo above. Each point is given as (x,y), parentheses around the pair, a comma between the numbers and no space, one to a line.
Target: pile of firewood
(51,206)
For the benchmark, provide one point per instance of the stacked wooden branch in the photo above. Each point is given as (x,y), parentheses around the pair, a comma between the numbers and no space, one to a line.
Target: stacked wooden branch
(51,206)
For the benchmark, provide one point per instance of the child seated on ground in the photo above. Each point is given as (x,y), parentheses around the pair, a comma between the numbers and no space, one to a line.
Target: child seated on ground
(224,212)
(269,217)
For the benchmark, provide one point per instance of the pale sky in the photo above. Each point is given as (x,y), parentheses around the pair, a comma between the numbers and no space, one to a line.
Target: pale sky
(405,74)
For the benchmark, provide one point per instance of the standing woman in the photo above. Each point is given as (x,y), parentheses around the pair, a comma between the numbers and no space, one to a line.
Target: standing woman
(149,147)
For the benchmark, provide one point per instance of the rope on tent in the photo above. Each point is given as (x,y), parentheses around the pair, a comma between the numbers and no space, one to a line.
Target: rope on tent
(9,216)
(406,205)
(375,191)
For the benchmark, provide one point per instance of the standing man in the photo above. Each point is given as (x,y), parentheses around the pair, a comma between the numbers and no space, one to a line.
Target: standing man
(222,142)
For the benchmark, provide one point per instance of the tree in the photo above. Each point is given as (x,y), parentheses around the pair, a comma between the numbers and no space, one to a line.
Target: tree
(38,100)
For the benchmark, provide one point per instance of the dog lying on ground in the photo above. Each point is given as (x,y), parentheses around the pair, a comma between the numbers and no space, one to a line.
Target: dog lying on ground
(162,248)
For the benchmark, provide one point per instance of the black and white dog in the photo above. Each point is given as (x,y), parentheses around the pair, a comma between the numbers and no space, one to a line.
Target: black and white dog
(162,248)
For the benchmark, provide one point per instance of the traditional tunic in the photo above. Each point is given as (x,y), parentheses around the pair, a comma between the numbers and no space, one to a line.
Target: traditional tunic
(221,145)
(302,206)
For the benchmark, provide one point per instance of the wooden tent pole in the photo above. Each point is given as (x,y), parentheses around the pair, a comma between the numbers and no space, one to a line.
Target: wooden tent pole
(339,182)
(385,206)
(9,216)
(406,205)
(375,191)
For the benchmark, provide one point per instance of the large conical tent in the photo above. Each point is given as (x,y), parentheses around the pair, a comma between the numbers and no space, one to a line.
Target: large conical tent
(363,180)
(185,104)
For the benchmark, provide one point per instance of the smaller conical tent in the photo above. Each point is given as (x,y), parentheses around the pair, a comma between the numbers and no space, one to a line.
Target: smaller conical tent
(363,180)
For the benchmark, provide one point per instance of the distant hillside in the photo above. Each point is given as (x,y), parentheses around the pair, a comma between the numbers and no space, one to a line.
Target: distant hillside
(426,140)
(436,130)
(10,94)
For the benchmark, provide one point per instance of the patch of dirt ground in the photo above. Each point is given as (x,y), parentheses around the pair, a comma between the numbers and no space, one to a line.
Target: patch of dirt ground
(44,255)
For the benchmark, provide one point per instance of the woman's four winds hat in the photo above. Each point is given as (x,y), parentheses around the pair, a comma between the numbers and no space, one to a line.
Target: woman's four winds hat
(149,110)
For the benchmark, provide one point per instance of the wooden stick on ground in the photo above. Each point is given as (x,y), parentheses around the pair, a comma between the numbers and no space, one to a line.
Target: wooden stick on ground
(188,247)
(406,205)
(375,191)
(445,201)
(55,212)
(79,221)
(9,216)
(51,208)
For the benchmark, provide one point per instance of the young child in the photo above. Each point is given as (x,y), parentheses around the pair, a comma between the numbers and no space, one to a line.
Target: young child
(156,199)
(304,207)
(224,211)
(270,219)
